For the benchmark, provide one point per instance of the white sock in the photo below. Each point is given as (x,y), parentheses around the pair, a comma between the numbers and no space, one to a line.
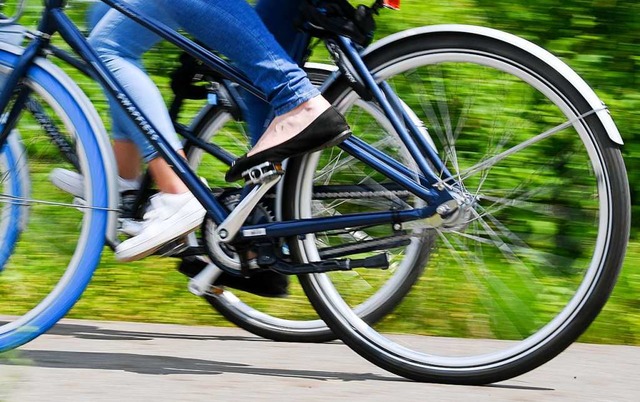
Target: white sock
(128,184)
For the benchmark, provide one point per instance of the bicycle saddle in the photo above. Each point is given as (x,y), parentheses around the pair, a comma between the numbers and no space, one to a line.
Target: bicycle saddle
(338,17)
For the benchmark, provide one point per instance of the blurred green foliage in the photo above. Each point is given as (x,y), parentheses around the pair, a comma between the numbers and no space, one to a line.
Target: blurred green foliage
(600,39)
(597,38)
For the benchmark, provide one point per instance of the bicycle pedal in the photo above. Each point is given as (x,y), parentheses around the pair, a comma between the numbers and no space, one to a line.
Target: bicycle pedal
(263,172)
(174,247)
(202,283)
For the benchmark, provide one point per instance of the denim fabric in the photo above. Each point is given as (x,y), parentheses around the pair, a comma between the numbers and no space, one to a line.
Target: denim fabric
(122,127)
(121,43)
(278,16)
(232,27)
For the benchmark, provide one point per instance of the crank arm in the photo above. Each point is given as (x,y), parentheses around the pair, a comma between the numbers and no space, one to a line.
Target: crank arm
(200,284)
(265,176)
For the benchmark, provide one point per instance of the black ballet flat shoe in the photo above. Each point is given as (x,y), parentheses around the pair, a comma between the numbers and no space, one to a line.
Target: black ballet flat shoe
(263,283)
(327,130)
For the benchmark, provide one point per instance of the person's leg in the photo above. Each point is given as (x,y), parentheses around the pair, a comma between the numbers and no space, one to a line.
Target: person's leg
(278,16)
(126,152)
(127,159)
(174,211)
(121,43)
(233,28)
(254,49)
(296,102)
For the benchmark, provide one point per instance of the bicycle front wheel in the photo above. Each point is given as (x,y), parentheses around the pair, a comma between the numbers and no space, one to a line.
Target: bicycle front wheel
(530,263)
(52,244)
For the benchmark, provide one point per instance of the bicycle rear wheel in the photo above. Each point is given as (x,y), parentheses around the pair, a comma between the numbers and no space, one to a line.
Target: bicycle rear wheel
(529,265)
(52,244)
(293,319)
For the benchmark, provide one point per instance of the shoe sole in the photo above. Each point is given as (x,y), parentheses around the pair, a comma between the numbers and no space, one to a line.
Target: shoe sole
(129,254)
(338,139)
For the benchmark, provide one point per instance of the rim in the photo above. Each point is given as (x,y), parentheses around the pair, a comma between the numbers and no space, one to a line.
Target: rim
(511,351)
(39,307)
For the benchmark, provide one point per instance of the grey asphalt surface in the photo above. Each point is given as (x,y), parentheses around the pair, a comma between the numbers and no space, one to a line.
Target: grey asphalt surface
(116,361)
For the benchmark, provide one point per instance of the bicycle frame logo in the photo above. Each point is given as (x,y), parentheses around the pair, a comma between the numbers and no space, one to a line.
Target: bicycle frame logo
(139,119)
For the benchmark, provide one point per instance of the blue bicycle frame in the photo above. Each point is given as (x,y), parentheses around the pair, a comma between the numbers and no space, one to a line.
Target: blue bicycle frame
(424,184)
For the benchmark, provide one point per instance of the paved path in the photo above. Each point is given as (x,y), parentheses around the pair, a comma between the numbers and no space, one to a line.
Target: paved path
(113,361)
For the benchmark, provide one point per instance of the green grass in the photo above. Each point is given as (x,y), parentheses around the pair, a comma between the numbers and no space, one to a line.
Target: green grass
(153,291)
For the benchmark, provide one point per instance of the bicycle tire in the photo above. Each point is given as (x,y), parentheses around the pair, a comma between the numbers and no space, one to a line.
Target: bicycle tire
(531,264)
(58,247)
(275,324)
(16,184)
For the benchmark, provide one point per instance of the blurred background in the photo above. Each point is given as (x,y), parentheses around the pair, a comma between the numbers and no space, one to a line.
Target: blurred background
(599,39)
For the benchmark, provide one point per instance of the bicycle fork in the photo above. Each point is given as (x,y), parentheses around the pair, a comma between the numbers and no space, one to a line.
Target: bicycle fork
(13,83)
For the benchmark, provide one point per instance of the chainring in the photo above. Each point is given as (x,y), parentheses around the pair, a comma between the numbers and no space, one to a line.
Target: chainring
(223,254)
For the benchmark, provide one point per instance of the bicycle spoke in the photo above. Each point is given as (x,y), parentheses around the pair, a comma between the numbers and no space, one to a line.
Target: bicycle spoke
(495,159)
(9,199)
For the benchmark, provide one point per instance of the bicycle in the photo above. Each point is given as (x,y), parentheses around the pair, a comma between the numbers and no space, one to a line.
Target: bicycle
(545,208)
(198,135)
(274,322)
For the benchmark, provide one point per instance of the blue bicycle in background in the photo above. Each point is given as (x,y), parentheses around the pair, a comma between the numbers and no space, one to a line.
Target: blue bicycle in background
(481,166)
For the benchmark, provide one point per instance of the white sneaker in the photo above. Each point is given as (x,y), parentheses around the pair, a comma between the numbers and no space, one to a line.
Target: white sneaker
(130,227)
(72,182)
(168,217)
(68,181)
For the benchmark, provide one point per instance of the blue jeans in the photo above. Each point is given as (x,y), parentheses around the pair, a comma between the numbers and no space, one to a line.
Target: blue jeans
(121,43)
(278,16)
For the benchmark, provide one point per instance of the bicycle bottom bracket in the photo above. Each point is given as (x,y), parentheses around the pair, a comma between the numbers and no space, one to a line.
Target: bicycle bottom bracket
(224,254)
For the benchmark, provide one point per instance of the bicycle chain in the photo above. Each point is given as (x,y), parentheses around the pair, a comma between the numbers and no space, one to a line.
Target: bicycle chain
(351,248)
(361,194)
(348,194)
